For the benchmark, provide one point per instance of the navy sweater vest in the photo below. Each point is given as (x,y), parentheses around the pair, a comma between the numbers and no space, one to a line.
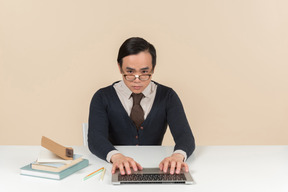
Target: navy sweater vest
(109,123)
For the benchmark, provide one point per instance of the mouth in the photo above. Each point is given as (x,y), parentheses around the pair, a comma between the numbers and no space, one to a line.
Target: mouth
(137,87)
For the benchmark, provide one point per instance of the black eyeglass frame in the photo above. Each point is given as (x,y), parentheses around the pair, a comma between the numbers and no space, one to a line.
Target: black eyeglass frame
(137,76)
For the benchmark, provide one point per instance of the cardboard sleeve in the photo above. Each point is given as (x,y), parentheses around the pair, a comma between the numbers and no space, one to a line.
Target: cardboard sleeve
(61,151)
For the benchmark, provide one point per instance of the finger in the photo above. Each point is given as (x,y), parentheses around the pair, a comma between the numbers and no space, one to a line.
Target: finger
(178,167)
(139,166)
(134,165)
(113,169)
(127,167)
(161,166)
(165,166)
(185,166)
(172,167)
(121,169)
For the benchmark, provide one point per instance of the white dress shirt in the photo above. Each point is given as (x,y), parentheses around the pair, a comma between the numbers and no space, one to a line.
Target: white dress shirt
(124,94)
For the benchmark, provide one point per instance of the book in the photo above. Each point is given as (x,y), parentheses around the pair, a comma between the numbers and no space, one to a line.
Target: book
(46,156)
(48,161)
(27,170)
(56,167)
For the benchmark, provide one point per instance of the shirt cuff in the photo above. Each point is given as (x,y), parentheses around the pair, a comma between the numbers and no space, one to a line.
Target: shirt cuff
(182,153)
(110,154)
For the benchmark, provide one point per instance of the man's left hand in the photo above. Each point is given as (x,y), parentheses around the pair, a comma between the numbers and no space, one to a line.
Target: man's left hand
(175,162)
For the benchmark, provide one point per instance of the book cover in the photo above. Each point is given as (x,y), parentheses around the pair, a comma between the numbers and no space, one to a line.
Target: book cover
(46,156)
(56,166)
(27,170)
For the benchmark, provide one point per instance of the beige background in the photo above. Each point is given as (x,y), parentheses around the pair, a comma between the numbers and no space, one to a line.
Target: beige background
(227,60)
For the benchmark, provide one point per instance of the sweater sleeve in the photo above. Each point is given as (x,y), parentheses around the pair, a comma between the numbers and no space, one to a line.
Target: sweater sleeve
(98,131)
(178,124)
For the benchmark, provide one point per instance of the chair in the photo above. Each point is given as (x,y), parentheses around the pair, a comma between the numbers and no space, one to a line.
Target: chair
(85,133)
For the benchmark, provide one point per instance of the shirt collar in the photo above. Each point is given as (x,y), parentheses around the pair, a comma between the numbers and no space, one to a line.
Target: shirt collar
(147,92)
(125,90)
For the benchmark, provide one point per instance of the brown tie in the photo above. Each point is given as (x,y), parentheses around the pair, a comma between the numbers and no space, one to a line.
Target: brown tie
(137,113)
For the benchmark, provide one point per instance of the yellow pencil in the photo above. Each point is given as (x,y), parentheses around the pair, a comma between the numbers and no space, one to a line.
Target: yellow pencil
(93,174)
(95,171)
(102,175)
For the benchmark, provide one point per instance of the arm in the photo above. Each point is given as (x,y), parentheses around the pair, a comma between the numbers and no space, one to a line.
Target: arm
(98,131)
(98,135)
(181,133)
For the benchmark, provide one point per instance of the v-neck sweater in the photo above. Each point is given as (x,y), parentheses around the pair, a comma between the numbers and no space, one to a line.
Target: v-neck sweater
(110,125)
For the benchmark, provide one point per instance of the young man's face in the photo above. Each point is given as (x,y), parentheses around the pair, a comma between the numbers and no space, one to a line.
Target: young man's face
(140,64)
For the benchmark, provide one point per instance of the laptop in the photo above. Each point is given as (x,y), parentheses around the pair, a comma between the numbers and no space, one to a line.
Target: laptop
(152,176)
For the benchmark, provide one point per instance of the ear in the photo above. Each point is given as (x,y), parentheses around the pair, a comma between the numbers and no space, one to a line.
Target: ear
(152,71)
(120,68)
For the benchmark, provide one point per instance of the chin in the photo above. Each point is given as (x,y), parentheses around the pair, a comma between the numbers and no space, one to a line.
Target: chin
(137,91)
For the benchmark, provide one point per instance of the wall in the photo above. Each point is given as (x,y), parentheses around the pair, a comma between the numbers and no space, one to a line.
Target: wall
(227,60)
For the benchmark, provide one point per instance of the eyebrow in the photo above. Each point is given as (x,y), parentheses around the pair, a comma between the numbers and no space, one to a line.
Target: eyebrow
(145,68)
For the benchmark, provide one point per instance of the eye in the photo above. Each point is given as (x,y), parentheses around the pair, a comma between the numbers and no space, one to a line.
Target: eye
(129,71)
(144,72)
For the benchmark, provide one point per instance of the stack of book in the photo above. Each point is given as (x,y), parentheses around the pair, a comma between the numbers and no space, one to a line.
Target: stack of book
(51,166)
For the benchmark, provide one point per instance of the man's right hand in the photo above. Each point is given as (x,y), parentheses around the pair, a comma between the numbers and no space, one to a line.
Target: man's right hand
(124,164)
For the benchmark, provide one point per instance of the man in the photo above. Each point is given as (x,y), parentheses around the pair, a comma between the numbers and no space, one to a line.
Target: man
(136,111)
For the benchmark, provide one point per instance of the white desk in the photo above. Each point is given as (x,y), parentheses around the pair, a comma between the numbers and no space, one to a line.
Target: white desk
(214,168)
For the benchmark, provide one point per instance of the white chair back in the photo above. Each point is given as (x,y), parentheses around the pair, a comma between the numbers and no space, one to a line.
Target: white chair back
(85,133)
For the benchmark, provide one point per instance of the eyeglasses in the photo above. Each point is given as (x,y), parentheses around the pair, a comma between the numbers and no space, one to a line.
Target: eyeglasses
(140,77)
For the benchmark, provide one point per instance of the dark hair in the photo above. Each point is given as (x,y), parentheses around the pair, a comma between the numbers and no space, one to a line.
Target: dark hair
(133,46)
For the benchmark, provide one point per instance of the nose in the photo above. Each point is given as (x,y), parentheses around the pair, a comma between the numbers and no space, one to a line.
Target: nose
(137,78)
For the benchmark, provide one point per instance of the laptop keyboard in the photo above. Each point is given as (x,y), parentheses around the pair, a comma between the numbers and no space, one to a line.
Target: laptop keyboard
(160,177)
